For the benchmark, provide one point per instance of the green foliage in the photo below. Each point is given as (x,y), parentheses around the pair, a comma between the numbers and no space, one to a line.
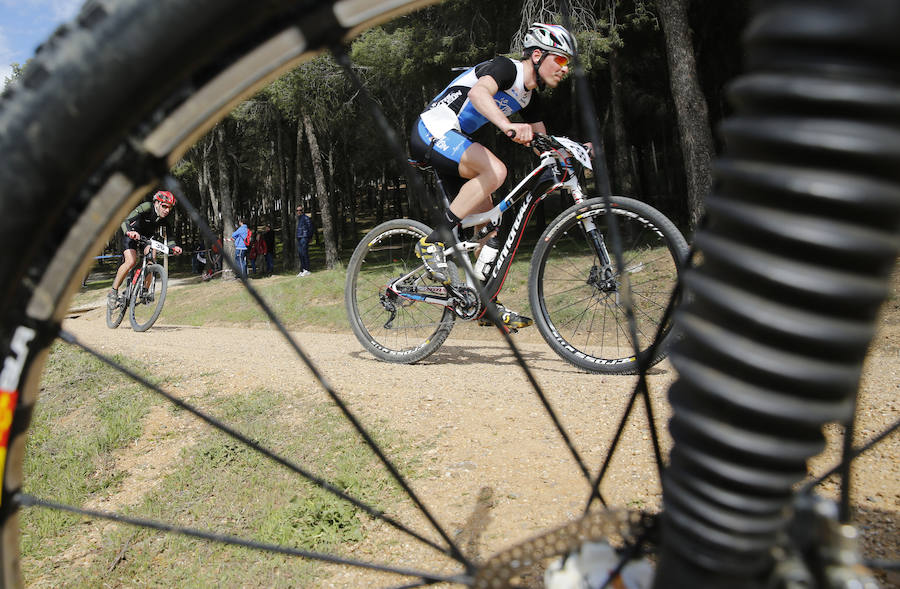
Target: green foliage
(405,62)
(16,72)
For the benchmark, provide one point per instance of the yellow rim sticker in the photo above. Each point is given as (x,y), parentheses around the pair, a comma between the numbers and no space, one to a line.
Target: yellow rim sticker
(7,406)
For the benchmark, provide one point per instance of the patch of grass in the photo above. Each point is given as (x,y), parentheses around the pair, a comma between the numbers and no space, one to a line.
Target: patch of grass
(222,486)
(86,412)
(315,301)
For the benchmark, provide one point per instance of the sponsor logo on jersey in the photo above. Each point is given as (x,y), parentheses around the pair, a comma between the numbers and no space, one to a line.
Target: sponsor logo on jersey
(448,99)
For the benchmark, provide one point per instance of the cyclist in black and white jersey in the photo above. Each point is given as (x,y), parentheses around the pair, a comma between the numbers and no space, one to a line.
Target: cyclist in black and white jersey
(144,221)
(490,92)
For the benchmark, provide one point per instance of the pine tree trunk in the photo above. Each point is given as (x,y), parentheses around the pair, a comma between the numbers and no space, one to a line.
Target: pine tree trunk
(225,195)
(215,213)
(282,161)
(331,252)
(690,105)
(622,180)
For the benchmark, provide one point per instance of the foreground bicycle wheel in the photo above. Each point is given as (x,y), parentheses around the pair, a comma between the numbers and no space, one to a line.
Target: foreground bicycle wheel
(581,315)
(392,328)
(147,300)
(83,137)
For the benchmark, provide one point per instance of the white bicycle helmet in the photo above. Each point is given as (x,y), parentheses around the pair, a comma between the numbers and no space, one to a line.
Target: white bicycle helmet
(552,38)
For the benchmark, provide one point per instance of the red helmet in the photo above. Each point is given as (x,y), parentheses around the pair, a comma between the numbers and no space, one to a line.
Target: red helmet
(164,196)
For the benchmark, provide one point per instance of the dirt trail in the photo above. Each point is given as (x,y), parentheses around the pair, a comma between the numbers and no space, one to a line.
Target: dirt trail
(476,414)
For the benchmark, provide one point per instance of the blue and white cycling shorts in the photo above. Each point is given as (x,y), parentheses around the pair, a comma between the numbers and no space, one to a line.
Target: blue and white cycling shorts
(443,156)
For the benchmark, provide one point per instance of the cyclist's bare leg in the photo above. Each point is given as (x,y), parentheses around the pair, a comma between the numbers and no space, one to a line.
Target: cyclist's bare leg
(130,259)
(147,275)
(486,173)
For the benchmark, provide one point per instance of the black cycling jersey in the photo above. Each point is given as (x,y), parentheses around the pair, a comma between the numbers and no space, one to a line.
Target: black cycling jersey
(145,221)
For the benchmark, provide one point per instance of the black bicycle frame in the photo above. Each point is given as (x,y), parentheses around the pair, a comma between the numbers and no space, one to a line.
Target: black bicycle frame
(528,194)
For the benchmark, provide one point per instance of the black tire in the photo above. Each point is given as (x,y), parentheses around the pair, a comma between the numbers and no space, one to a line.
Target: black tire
(417,329)
(581,321)
(95,120)
(114,317)
(147,303)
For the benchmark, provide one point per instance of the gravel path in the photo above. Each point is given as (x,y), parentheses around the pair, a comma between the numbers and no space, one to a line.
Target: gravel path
(473,410)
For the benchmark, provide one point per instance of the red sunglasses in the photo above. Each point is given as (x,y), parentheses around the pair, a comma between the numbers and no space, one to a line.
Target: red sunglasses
(561,60)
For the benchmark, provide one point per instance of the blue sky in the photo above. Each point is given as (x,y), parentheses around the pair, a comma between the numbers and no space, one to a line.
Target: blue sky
(24,24)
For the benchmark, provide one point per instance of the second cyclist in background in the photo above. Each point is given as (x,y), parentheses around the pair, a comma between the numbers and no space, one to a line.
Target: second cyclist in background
(490,92)
(145,220)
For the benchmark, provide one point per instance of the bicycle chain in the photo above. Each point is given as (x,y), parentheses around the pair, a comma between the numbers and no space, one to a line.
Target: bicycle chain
(505,568)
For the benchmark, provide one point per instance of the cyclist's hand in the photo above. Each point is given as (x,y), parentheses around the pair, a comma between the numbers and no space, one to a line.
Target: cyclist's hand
(521,133)
(176,249)
(133,235)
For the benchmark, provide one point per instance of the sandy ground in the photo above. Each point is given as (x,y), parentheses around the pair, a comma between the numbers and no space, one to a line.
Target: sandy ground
(481,424)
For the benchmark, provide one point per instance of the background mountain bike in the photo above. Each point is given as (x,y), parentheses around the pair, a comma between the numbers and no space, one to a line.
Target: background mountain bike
(575,287)
(145,292)
(801,239)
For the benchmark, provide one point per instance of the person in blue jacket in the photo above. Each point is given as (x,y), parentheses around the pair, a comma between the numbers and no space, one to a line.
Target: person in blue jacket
(240,237)
(304,234)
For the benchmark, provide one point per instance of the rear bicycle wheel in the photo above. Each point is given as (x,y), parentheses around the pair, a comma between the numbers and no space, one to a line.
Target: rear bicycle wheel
(393,328)
(580,312)
(147,300)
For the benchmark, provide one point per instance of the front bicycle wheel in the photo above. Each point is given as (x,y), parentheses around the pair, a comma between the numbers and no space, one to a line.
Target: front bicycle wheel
(579,310)
(147,299)
(114,316)
(391,327)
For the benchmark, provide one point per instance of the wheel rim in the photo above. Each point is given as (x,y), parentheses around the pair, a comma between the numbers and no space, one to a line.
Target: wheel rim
(393,323)
(586,310)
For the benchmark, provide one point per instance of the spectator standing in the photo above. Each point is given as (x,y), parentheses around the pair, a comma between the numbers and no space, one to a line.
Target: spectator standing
(269,238)
(304,234)
(257,251)
(240,237)
(252,251)
(198,259)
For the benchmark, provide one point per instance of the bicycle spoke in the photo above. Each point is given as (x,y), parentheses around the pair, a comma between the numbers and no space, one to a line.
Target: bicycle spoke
(173,185)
